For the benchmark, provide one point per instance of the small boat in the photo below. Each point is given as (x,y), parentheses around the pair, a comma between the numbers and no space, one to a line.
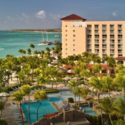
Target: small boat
(57,35)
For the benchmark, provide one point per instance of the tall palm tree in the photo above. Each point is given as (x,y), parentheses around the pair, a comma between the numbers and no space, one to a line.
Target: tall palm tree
(120,80)
(106,106)
(40,95)
(18,97)
(96,83)
(42,53)
(107,82)
(21,51)
(120,106)
(1,107)
(32,46)
(29,51)
(25,90)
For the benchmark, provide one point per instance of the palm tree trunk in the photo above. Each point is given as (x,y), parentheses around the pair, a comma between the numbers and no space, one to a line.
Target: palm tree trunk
(29,109)
(21,113)
(101,117)
(110,119)
(38,109)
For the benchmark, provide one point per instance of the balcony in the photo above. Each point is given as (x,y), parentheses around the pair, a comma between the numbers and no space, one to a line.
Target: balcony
(119,46)
(96,51)
(96,26)
(104,26)
(96,41)
(111,51)
(104,46)
(104,51)
(119,31)
(119,51)
(104,32)
(97,36)
(111,26)
(119,41)
(96,46)
(120,36)
(104,41)
(119,26)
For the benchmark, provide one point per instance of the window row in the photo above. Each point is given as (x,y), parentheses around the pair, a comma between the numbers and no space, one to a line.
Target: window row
(104,36)
(104,26)
(104,41)
(104,31)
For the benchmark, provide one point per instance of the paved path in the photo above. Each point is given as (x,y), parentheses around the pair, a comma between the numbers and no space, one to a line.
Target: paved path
(7,114)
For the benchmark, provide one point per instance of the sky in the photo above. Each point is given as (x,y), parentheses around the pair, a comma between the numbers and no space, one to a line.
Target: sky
(46,14)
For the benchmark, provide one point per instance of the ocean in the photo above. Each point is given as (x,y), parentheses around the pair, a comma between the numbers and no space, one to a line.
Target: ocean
(11,41)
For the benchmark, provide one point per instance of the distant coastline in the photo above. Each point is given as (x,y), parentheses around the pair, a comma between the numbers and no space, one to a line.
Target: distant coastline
(37,30)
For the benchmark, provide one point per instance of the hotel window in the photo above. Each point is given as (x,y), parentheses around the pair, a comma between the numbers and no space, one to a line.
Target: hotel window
(119,26)
(119,31)
(96,50)
(66,25)
(112,36)
(89,41)
(112,41)
(89,31)
(96,41)
(119,55)
(73,49)
(73,30)
(119,51)
(112,46)
(89,26)
(66,53)
(66,39)
(111,31)
(96,36)
(73,35)
(88,46)
(73,44)
(104,46)
(120,46)
(73,25)
(89,36)
(112,51)
(104,36)
(104,26)
(104,55)
(73,40)
(66,30)
(119,41)
(104,51)
(112,26)
(103,31)
(112,55)
(104,41)
(66,48)
(119,36)
(96,46)
(96,26)
(66,34)
(89,50)
(66,44)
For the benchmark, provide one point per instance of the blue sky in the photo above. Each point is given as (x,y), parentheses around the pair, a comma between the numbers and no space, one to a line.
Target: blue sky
(28,14)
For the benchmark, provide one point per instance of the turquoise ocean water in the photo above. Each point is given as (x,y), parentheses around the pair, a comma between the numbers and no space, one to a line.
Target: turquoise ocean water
(11,42)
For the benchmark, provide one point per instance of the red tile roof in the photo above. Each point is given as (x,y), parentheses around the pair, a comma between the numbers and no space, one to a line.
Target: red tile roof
(68,66)
(103,66)
(73,17)
(120,58)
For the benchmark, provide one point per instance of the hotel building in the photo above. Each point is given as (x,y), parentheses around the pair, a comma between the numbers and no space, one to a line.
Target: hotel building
(99,37)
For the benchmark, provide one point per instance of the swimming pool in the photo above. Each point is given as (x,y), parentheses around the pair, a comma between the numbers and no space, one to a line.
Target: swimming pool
(62,96)
(45,108)
(89,110)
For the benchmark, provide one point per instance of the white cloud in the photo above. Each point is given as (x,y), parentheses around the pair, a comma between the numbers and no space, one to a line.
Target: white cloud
(114,14)
(10,18)
(41,14)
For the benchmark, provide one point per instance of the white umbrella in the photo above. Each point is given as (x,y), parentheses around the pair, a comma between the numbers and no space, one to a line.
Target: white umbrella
(70,71)
(75,78)
(66,78)
(4,94)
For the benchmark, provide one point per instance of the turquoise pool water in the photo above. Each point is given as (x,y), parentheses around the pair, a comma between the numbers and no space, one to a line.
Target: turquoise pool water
(45,108)
(89,110)
(62,96)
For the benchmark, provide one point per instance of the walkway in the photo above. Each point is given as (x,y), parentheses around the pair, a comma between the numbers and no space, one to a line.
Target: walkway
(7,114)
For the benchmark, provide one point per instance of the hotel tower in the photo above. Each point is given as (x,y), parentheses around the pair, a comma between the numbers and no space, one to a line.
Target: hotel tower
(99,37)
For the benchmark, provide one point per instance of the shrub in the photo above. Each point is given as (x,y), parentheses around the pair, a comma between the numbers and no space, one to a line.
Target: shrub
(38,86)
(52,91)
(5,90)
(70,100)
(91,101)
(3,122)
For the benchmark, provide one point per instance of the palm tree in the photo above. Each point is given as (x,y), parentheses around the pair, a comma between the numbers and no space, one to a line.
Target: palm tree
(32,46)
(119,122)
(18,97)
(1,107)
(107,82)
(29,51)
(25,90)
(40,95)
(47,49)
(97,69)
(120,80)
(42,53)
(106,106)
(96,83)
(120,106)
(21,51)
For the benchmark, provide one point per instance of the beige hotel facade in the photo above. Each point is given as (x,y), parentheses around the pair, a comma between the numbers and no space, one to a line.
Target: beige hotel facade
(99,37)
